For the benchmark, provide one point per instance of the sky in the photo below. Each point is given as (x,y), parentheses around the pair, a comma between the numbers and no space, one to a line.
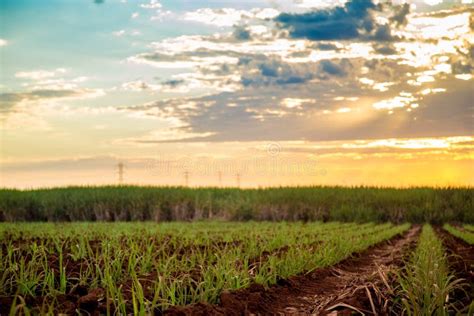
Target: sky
(236,93)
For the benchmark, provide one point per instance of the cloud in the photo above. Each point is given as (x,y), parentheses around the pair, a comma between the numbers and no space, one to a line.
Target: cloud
(339,23)
(332,68)
(366,84)
(122,33)
(385,49)
(446,12)
(156,7)
(355,20)
(400,16)
(39,74)
(265,71)
(223,51)
(343,99)
(217,17)
(138,86)
(383,33)
(11,99)
(272,71)
(311,4)
(46,85)
(433,2)
(463,62)
(3,42)
(326,46)
(173,82)
(153,4)
(50,80)
(294,102)
(225,17)
(241,33)
(119,33)
(184,85)
(160,15)
(403,100)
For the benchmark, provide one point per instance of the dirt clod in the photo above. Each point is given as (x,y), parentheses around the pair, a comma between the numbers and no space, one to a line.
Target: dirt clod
(90,301)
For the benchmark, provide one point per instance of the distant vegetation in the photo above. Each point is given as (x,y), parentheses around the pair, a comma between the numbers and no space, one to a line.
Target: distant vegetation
(134,203)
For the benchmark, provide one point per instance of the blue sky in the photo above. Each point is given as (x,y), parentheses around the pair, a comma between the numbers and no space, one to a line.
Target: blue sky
(357,83)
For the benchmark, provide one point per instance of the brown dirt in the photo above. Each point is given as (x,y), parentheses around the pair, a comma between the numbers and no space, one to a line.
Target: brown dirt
(361,283)
(461,261)
(78,299)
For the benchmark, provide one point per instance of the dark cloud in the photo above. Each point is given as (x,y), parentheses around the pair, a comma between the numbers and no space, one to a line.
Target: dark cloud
(265,71)
(300,54)
(339,23)
(385,49)
(460,67)
(354,21)
(332,68)
(383,33)
(241,33)
(326,46)
(271,71)
(400,16)
(173,83)
(463,62)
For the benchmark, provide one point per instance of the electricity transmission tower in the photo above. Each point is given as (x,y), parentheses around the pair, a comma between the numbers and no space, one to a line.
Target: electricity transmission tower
(186,178)
(237,179)
(120,167)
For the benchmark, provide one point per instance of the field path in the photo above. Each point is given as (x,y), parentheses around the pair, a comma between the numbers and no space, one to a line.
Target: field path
(461,261)
(357,283)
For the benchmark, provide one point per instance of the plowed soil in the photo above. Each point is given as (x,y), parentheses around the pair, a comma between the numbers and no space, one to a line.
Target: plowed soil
(461,261)
(361,284)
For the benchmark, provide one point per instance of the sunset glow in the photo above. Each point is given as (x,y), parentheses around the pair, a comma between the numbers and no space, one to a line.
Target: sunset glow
(272,91)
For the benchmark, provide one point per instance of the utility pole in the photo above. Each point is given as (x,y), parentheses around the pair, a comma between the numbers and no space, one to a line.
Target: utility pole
(120,166)
(186,178)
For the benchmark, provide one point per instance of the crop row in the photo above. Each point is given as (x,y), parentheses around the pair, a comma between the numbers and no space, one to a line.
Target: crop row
(428,284)
(146,267)
(465,233)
